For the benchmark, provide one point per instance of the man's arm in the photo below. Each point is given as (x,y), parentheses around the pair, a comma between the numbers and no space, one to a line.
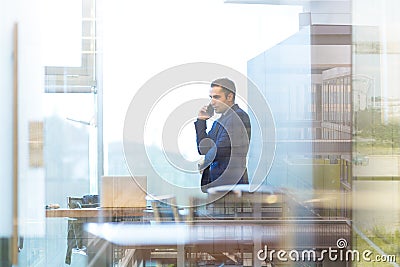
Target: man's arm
(204,143)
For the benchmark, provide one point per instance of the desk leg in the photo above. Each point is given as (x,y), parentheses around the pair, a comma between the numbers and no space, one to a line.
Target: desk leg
(180,257)
(141,256)
(75,238)
(256,245)
(100,254)
(257,233)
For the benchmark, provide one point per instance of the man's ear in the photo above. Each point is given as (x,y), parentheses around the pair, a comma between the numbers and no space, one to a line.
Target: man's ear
(230,97)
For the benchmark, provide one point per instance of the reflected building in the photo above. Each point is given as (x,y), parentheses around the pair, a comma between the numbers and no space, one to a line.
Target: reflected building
(306,80)
(333,92)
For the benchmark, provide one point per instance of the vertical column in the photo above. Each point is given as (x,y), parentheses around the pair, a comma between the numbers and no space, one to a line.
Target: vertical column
(180,257)
(14,243)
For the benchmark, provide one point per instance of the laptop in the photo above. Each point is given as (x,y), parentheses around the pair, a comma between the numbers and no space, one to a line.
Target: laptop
(123,192)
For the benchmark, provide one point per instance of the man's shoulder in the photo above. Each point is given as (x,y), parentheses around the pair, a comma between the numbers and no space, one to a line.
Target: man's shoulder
(240,112)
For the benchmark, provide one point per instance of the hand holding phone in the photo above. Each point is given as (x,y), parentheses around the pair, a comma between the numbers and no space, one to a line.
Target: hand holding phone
(210,110)
(206,112)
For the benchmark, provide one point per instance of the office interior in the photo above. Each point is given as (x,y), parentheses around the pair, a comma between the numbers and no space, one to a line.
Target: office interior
(320,87)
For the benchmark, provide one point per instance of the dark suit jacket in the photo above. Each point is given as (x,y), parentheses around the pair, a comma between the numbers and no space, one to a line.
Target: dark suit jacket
(225,148)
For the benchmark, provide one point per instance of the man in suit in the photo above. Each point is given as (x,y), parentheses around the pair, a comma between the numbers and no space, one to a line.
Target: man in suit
(226,145)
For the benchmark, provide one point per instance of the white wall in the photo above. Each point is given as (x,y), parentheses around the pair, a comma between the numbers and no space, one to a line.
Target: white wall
(31,84)
(6,85)
(30,79)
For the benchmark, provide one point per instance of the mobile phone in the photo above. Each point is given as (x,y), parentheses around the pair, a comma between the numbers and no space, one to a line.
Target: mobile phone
(210,110)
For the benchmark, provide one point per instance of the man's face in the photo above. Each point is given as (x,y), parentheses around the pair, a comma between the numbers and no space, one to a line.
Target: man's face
(219,101)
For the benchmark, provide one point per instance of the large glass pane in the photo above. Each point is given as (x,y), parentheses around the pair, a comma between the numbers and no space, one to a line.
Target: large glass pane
(132,41)
(67,156)
(107,157)
(306,79)
(376,126)
(70,129)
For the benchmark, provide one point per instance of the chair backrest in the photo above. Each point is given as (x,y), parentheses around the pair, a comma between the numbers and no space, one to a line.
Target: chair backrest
(165,208)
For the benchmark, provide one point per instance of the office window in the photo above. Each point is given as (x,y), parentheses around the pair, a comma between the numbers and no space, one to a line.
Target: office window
(71,120)
(70,103)
(137,47)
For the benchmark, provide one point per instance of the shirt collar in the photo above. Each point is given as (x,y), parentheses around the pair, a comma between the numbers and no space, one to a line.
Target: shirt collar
(233,107)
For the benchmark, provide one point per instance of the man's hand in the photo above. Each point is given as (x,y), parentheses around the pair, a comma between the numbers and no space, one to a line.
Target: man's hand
(203,115)
(200,165)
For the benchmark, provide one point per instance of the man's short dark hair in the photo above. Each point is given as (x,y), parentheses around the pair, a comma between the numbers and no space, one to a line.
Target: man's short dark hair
(227,85)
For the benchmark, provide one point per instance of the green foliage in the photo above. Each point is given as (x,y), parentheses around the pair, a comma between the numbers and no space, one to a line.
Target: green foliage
(389,242)
(374,136)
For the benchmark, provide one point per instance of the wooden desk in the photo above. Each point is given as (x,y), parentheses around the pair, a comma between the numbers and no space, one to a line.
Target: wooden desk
(97,213)
(76,234)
